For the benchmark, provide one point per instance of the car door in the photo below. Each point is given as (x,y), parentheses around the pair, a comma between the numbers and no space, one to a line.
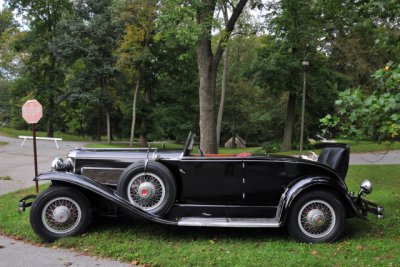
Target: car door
(211,181)
(265,179)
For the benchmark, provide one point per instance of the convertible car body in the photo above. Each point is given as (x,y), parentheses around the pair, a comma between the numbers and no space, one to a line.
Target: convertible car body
(178,188)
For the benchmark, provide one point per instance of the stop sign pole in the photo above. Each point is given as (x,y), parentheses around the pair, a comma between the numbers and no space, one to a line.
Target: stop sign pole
(32,112)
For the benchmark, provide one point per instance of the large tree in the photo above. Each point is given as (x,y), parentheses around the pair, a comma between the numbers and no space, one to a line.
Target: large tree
(42,68)
(134,54)
(199,20)
(87,47)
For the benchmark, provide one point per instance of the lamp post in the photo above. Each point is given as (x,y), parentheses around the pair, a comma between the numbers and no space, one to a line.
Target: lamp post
(305,62)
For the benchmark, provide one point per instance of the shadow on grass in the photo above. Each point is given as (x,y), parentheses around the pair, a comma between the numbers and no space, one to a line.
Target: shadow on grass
(127,225)
(122,226)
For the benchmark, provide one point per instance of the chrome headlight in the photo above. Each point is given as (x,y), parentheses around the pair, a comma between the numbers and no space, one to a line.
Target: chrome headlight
(366,187)
(58,164)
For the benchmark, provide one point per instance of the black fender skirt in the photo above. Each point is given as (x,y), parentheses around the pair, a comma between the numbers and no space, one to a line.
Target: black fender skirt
(101,190)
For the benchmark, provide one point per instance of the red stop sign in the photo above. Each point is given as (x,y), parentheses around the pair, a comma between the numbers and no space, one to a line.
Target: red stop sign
(32,111)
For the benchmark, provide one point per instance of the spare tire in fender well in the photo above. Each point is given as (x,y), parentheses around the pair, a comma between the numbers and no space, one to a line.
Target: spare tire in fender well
(153,184)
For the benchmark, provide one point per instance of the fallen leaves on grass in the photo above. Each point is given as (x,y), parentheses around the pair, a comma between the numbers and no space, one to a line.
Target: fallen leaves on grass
(135,262)
(360,247)
(314,252)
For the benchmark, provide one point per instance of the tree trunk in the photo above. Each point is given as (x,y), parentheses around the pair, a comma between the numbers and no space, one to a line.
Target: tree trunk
(98,130)
(224,79)
(143,134)
(290,114)
(50,122)
(223,90)
(108,127)
(50,126)
(207,75)
(143,140)
(134,112)
(208,64)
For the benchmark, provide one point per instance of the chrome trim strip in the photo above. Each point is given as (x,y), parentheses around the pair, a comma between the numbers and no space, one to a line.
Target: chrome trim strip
(220,206)
(229,222)
(101,168)
(117,149)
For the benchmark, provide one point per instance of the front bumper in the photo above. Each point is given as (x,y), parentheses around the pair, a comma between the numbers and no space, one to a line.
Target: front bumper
(23,204)
(365,207)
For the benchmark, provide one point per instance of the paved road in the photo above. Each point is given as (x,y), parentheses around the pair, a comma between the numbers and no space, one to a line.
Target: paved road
(17,162)
(18,254)
(375,158)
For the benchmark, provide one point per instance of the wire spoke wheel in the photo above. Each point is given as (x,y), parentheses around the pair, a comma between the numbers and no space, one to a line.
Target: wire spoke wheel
(146,191)
(316,218)
(61,215)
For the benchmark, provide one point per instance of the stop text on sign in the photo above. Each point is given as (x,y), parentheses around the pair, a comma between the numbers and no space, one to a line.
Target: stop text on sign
(32,111)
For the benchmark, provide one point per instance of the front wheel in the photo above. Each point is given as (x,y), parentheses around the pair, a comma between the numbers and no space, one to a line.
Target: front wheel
(316,217)
(60,212)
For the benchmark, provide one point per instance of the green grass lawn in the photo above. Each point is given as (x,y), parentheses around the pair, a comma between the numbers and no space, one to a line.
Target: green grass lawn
(374,243)
(15,133)
(355,147)
(174,146)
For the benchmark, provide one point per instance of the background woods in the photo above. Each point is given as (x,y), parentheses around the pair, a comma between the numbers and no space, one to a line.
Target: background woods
(151,69)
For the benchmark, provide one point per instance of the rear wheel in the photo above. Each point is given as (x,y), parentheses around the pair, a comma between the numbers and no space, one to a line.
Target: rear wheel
(151,188)
(60,212)
(316,217)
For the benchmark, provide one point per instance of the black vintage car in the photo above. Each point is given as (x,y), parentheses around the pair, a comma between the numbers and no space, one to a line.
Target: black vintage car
(309,197)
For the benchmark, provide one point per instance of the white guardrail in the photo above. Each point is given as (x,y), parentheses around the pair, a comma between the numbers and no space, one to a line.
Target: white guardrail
(39,138)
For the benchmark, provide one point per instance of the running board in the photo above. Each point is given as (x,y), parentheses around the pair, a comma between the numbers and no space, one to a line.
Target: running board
(229,222)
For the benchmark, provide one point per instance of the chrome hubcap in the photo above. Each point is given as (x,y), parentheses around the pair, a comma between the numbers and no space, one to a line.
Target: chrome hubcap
(146,191)
(61,215)
(316,218)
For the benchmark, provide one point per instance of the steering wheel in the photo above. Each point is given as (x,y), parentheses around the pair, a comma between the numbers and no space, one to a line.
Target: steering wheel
(200,151)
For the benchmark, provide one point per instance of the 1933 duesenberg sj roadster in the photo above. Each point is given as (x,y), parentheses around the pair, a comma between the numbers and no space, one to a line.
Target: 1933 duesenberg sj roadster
(309,197)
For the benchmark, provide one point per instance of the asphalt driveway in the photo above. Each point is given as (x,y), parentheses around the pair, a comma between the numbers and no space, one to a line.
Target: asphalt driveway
(17,162)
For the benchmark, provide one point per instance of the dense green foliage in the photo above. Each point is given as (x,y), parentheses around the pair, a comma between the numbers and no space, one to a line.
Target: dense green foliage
(83,60)
(376,115)
(364,243)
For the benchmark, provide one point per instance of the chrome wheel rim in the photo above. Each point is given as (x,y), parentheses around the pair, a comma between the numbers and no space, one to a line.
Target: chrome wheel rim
(61,215)
(146,191)
(316,218)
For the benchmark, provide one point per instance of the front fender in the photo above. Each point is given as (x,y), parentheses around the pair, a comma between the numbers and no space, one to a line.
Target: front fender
(101,190)
(300,186)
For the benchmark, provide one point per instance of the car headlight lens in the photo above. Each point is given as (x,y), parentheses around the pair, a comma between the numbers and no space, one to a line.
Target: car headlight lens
(58,164)
(366,187)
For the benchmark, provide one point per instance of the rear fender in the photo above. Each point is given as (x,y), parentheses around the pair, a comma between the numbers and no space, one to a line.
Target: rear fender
(101,190)
(300,186)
